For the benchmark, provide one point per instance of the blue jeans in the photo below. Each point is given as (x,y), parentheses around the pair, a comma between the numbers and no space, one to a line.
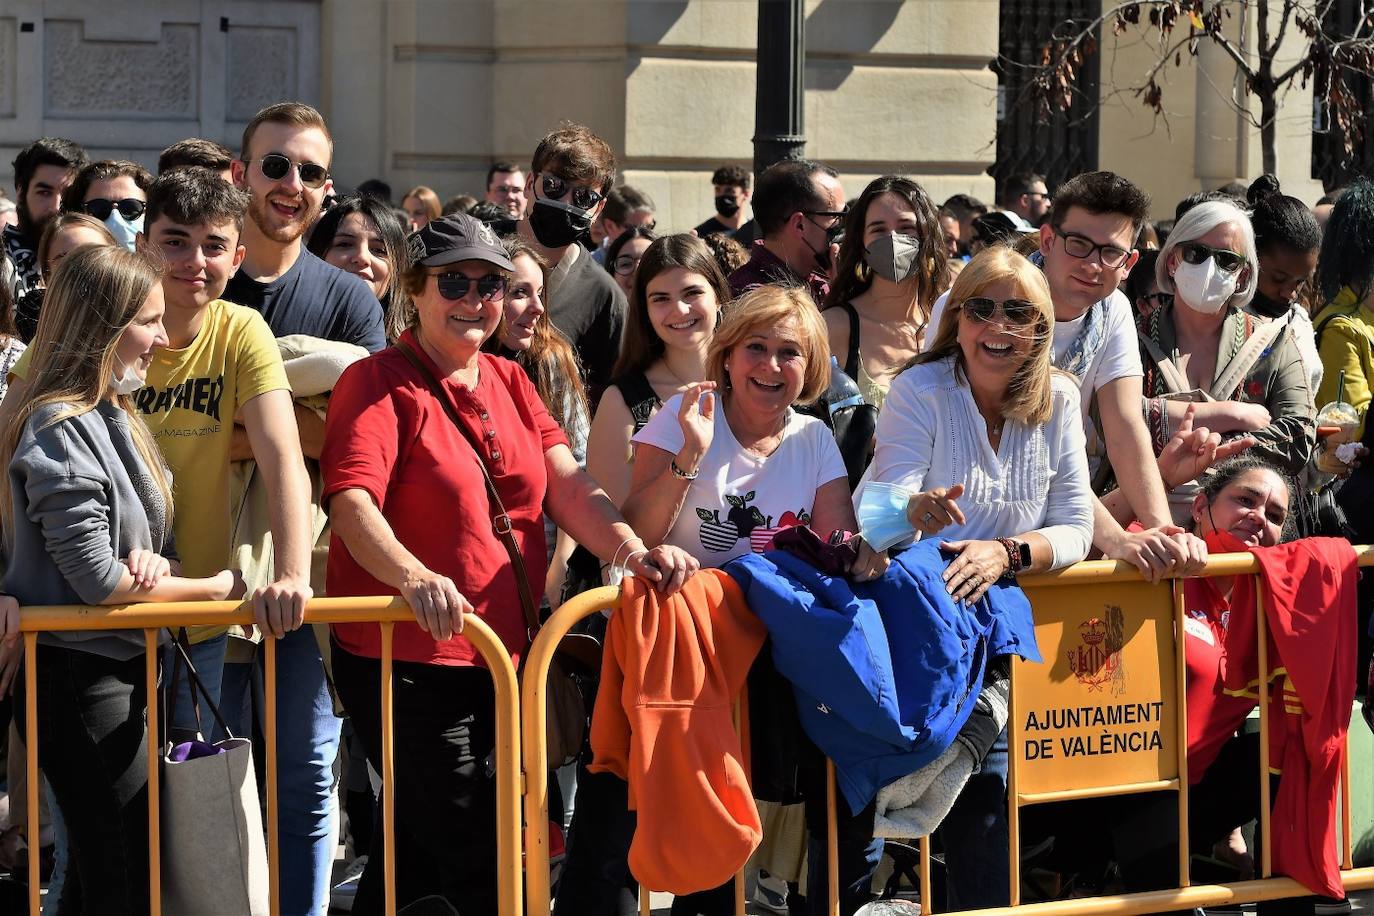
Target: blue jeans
(307,743)
(208,659)
(974,835)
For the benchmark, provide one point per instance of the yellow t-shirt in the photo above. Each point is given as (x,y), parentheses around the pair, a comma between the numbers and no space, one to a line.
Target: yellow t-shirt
(190,401)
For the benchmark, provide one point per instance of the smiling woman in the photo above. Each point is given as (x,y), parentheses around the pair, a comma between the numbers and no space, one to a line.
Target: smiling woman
(987,437)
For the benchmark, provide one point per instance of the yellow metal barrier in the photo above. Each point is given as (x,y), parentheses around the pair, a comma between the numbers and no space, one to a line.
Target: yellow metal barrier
(1155,660)
(384,611)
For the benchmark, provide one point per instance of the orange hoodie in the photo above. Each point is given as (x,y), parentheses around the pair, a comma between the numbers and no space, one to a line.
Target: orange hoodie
(670,673)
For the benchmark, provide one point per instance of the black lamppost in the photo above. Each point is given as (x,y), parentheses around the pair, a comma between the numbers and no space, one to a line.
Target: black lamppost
(779,101)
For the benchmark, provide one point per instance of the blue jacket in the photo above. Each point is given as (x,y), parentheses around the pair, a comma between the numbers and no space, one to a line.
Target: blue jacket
(885,672)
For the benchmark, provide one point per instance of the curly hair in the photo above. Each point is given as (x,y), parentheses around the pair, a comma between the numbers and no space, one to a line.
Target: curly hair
(1347,255)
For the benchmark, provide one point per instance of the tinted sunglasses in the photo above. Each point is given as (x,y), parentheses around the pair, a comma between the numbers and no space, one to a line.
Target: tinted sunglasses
(556,188)
(1198,253)
(453,286)
(1015,311)
(275,166)
(131,208)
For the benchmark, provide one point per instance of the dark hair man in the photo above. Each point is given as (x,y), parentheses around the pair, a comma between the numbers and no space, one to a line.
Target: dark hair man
(1086,250)
(374,188)
(197,153)
(1026,195)
(42,172)
(114,191)
(570,176)
(730,186)
(799,206)
(284,166)
(506,188)
(626,208)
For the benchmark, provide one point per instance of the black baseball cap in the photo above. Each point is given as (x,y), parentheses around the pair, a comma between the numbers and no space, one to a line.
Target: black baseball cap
(456,237)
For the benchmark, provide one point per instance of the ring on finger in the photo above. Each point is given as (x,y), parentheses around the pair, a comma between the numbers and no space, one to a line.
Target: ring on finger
(927,518)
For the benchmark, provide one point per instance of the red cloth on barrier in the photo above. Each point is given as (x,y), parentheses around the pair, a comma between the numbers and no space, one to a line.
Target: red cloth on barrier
(1309,596)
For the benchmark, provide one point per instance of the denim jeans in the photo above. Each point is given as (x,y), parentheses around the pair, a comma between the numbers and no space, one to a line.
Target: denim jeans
(975,839)
(93,748)
(307,743)
(208,659)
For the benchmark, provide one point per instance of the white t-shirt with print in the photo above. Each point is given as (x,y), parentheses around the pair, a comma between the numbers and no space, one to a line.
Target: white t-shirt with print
(1118,356)
(740,500)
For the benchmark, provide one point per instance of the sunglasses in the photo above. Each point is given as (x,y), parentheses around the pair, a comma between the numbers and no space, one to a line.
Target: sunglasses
(1016,311)
(453,286)
(275,167)
(556,188)
(1198,253)
(131,208)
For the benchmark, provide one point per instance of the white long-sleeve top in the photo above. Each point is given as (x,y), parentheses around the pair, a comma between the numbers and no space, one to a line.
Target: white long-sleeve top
(930,434)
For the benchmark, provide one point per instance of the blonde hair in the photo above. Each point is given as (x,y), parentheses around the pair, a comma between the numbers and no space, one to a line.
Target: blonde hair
(96,292)
(1028,392)
(764,307)
(427,197)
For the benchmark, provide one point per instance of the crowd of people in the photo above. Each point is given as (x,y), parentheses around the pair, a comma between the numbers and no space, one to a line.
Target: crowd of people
(233,380)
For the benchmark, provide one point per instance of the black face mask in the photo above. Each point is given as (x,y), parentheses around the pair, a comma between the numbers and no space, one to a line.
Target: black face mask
(1269,308)
(822,257)
(727,206)
(557,225)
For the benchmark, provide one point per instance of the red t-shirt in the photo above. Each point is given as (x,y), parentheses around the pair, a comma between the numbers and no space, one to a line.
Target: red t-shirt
(1213,714)
(386,434)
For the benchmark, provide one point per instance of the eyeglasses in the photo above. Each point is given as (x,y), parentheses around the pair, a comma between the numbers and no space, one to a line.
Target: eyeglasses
(1015,311)
(275,167)
(131,208)
(626,264)
(556,187)
(455,286)
(1080,246)
(833,218)
(1198,253)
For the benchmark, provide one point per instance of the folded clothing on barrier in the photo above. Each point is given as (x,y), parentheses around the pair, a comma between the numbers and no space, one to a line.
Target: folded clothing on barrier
(671,670)
(1309,591)
(886,672)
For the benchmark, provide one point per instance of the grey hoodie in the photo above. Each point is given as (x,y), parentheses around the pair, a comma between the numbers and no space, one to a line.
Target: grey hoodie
(83,501)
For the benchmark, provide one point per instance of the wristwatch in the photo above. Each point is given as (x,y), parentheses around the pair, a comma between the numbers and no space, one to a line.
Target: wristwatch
(1018,556)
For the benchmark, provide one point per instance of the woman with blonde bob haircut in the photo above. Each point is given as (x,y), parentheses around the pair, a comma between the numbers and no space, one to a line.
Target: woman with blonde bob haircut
(720,482)
(87,508)
(988,441)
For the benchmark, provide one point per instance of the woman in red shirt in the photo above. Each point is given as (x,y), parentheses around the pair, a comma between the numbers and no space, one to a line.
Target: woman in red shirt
(410,516)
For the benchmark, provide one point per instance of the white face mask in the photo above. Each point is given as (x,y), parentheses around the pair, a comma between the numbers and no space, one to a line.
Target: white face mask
(123,230)
(1204,287)
(126,382)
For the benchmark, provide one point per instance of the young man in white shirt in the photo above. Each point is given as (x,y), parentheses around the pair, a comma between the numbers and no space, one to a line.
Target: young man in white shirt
(1086,250)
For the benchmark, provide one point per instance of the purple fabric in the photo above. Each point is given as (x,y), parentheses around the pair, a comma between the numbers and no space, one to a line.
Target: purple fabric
(833,559)
(192,750)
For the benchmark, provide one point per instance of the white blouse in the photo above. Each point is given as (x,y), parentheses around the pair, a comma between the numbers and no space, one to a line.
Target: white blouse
(930,434)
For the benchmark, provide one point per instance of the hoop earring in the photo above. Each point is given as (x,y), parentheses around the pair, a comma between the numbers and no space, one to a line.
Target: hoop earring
(862,271)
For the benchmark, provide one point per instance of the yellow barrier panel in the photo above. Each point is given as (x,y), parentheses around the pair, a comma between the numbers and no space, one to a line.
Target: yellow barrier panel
(1105,714)
(387,611)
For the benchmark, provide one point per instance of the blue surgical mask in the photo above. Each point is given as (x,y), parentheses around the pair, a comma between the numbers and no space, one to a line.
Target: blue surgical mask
(882,514)
(123,230)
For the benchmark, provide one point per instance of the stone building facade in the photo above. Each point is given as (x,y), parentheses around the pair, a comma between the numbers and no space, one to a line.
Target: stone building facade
(432,91)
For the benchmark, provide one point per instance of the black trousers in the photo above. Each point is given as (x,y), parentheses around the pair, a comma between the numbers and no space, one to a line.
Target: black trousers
(445,735)
(93,748)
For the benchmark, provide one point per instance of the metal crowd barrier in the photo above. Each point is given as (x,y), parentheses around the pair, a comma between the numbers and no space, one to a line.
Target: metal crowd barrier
(384,611)
(1100,626)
